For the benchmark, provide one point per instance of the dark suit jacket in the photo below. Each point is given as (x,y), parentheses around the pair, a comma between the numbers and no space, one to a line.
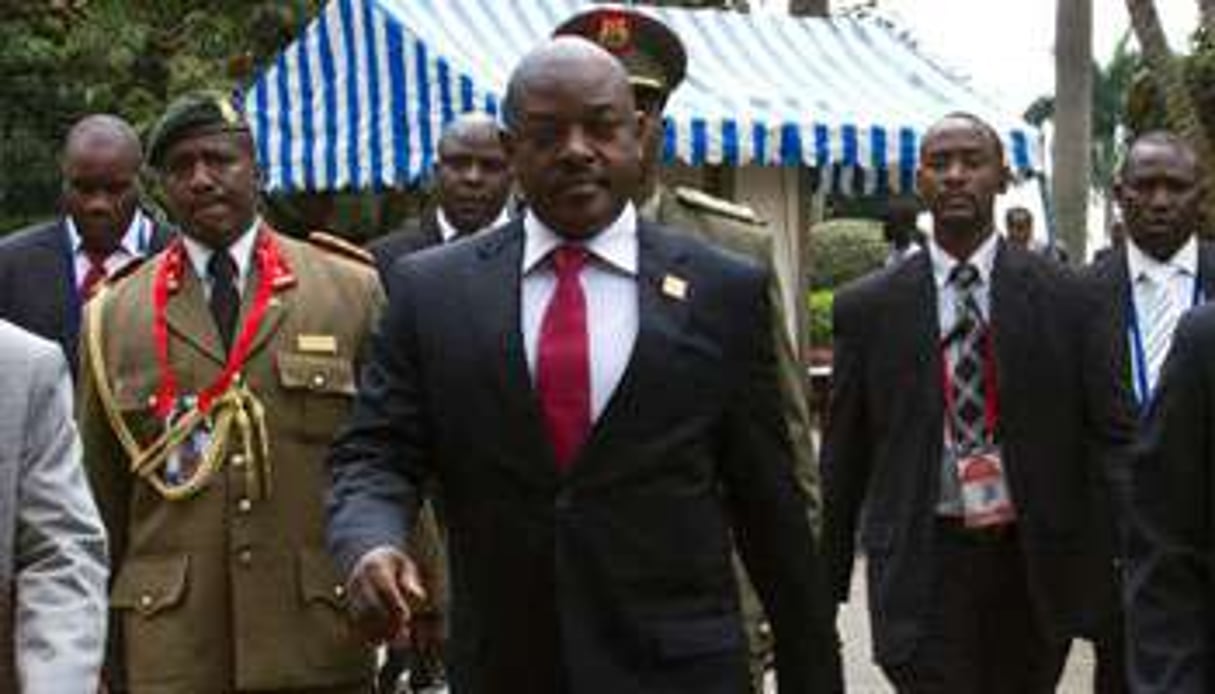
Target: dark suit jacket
(615,577)
(414,235)
(884,444)
(1110,280)
(1170,586)
(38,282)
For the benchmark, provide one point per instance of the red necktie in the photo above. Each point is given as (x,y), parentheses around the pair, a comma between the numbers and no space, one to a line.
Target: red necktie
(95,274)
(563,367)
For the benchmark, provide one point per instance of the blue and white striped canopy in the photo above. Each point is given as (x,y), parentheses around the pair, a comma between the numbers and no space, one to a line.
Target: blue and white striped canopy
(358,101)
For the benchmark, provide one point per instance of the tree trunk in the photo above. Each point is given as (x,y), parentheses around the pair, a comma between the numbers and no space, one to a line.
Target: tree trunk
(1073,118)
(1180,110)
(1206,9)
(816,8)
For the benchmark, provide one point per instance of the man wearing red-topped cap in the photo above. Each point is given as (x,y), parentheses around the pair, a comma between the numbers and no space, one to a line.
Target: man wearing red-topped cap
(212,380)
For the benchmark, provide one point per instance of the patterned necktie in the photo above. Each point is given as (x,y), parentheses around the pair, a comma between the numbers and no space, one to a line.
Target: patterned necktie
(563,368)
(225,299)
(967,396)
(95,274)
(1159,317)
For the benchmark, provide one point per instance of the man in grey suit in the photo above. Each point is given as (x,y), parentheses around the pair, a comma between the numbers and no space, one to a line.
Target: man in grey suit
(52,545)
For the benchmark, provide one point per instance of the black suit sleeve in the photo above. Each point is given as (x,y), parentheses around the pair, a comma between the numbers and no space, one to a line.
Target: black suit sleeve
(771,527)
(1169,583)
(846,447)
(379,462)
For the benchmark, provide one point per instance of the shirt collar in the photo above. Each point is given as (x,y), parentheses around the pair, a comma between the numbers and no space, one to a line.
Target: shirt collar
(241,250)
(134,241)
(1184,262)
(983,258)
(448,231)
(616,245)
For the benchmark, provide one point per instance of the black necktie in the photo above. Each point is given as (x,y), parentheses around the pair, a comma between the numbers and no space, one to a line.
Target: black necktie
(225,300)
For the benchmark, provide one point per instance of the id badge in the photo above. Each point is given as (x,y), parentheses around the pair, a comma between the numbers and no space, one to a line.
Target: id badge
(183,462)
(986,501)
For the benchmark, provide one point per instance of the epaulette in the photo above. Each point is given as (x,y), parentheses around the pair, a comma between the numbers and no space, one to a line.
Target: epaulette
(714,205)
(339,246)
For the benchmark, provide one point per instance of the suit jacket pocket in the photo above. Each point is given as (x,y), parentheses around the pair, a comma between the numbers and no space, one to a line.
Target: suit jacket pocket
(331,644)
(696,637)
(320,390)
(159,642)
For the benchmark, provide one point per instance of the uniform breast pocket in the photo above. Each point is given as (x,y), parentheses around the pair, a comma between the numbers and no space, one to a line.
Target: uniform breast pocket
(322,387)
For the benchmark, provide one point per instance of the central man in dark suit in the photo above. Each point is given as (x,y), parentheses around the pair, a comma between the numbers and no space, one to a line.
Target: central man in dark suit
(598,399)
(966,422)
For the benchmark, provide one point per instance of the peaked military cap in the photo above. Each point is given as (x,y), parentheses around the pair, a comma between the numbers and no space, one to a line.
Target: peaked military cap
(194,113)
(651,52)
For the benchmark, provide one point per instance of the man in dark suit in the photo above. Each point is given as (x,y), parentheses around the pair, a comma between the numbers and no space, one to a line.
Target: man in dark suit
(1160,272)
(472,188)
(962,420)
(1168,578)
(598,399)
(47,271)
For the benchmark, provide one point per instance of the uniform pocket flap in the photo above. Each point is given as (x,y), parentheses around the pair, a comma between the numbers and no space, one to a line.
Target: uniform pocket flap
(700,636)
(319,580)
(318,373)
(150,584)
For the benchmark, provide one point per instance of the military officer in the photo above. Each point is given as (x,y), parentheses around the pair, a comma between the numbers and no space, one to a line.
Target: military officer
(656,62)
(213,378)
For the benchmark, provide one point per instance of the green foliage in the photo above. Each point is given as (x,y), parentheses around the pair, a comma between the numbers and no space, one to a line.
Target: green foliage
(842,250)
(127,57)
(1145,103)
(821,302)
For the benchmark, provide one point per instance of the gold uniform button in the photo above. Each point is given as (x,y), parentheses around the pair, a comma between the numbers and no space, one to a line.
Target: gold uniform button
(145,601)
(237,460)
(245,557)
(318,380)
(339,591)
(244,506)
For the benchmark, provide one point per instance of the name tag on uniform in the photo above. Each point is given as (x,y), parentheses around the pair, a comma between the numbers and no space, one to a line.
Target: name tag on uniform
(316,344)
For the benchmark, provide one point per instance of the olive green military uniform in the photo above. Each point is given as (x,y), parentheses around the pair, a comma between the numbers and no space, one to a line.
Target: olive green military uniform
(738,229)
(230,588)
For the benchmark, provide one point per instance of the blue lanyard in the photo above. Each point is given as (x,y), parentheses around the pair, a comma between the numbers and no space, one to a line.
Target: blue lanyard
(1139,370)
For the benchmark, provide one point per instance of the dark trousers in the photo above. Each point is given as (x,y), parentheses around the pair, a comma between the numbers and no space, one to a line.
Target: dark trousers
(981,633)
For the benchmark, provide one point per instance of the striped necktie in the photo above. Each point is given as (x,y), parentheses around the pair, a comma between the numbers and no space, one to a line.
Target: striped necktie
(1158,317)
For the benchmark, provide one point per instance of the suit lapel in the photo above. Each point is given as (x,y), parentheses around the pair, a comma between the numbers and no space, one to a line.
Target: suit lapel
(493,283)
(190,318)
(661,321)
(1013,300)
(1206,270)
(281,301)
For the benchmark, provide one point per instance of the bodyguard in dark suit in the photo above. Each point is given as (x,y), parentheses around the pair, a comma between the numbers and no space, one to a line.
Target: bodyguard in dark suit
(47,271)
(1168,578)
(472,189)
(597,397)
(962,421)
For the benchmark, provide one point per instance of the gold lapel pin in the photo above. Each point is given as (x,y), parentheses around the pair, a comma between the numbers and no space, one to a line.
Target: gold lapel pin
(675,287)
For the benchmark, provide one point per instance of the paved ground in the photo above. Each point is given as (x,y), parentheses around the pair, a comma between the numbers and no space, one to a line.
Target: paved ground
(863,677)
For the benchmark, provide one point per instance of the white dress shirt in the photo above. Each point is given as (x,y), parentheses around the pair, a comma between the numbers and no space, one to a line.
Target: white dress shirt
(1178,275)
(949,501)
(448,231)
(132,246)
(609,282)
(241,250)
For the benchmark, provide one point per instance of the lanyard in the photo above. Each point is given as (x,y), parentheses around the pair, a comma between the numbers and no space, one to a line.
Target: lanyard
(991,389)
(1139,370)
(273,274)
